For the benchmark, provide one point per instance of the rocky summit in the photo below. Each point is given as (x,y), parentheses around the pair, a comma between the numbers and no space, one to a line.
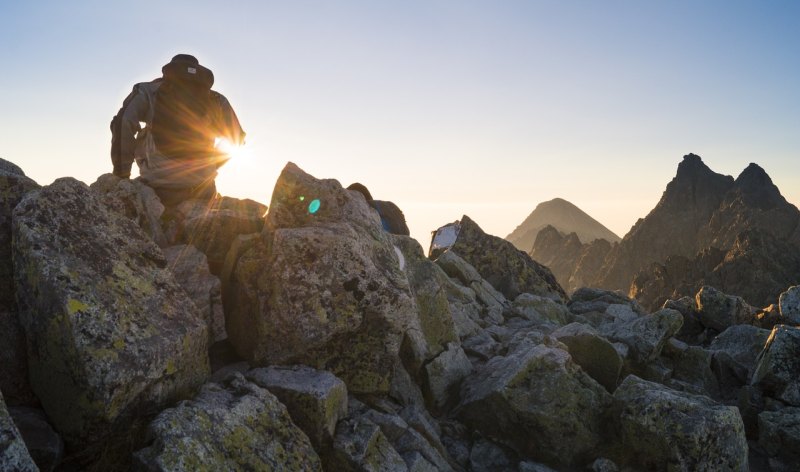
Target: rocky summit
(739,235)
(228,335)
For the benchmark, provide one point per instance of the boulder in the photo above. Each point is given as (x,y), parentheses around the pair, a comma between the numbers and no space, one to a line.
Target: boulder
(719,311)
(361,446)
(44,444)
(789,304)
(406,440)
(779,437)
(596,356)
(14,455)
(742,344)
(585,300)
(444,374)
(13,362)
(692,372)
(190,267)
(234,425)
(108,328)
(540,309)
(465,309)
(426,279)
(316,399)
(777,371)
(645,336)
(692,331)
(134,200)
(508,269)
(486,456)
(540,403)
(213,226)
(461,270)
(322,287)
(663,429)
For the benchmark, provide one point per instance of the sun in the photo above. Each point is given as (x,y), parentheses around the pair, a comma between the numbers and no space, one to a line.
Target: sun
(233,151)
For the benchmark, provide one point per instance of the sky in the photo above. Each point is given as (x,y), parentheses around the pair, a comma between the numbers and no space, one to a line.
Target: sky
(483,108)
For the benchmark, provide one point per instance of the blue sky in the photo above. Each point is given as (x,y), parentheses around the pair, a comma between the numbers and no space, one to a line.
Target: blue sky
(445,107)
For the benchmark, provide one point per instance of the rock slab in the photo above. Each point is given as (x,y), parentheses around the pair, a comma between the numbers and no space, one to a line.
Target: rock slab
(233,425)
(108,329)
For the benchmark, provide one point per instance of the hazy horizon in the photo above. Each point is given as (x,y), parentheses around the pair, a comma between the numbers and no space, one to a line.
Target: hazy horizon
(445,108)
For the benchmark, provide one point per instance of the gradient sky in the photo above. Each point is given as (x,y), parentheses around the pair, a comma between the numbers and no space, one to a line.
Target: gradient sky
(444,107)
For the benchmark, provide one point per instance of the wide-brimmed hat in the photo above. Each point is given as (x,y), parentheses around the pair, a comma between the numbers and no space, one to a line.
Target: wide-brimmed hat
(186,68)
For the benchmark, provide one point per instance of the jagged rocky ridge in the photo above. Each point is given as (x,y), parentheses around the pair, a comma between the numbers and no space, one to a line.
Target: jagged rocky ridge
(740,235)
(564,217)
(348,349)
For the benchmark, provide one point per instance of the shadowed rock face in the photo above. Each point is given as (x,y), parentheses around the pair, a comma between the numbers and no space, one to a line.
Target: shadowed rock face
(13,363)
(740,236)
(564,217)
(508,269)
(108,329)
(573,264)
(672,227)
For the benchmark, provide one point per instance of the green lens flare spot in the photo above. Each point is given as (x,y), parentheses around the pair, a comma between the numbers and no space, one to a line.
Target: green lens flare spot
(302,198)
(313,207)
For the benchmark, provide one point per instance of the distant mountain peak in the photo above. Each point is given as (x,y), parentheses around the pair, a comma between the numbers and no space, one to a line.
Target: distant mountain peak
(565,218)
(692,166)
(757,189)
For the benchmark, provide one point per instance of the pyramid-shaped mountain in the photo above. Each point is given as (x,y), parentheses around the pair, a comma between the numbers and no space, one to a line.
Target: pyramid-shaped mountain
(563,216)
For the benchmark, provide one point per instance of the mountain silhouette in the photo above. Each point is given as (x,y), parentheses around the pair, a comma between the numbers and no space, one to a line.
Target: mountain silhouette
(564,217)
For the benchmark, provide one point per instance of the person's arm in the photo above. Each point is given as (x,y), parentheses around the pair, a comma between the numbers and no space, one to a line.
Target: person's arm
(130,115)
(228,124)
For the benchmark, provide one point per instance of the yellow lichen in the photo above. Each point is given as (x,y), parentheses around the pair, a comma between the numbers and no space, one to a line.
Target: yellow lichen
(74,306)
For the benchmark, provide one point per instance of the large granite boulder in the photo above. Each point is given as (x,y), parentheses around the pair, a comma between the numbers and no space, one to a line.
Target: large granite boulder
(13,363)
(777,372)
(135,200)
(316,399)
(508,269)
(213,226)
(108,329)
(190,267)
(594,353)
(322,287)
(719,311)
(14,455)
(663,429)
(233,425)
(540,403)
(645,336)
(739,347)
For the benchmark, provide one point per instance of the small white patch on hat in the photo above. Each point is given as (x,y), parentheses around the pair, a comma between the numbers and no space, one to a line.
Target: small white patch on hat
(191,70)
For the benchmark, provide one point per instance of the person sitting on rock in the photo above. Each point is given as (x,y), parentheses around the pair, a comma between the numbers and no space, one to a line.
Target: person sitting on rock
(392,217)
(184,120)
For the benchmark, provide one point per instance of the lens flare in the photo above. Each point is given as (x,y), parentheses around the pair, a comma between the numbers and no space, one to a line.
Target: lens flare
(313,207)
(233,151)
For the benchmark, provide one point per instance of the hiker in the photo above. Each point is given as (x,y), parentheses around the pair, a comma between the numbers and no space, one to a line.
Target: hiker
(183,121)
(392,217)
